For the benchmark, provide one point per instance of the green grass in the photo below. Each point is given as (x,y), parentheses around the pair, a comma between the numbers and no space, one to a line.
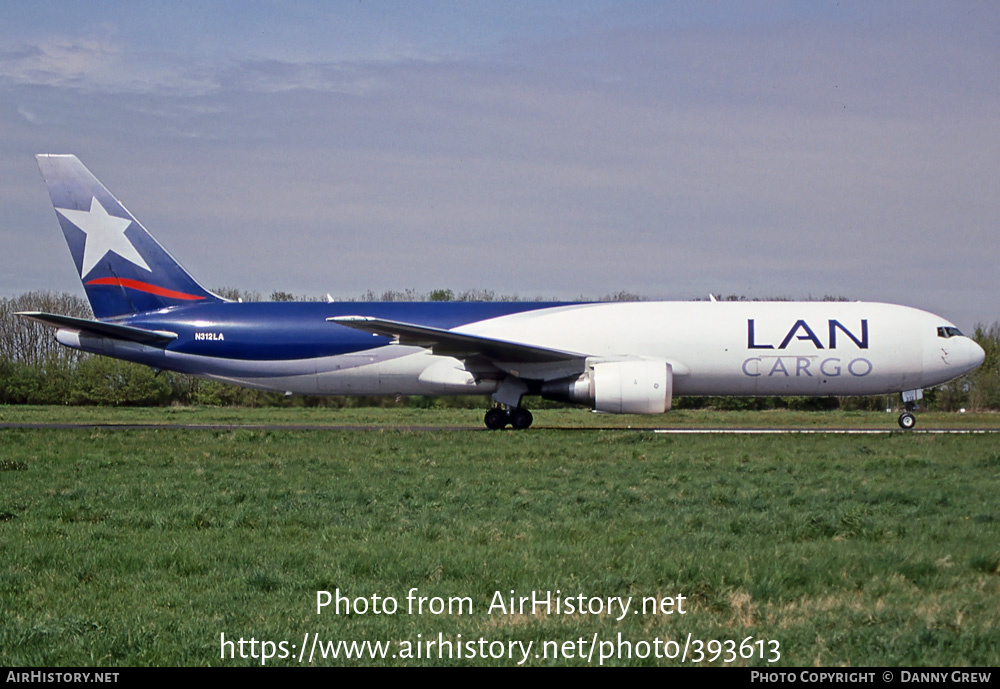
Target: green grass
(141,547)
(404,416)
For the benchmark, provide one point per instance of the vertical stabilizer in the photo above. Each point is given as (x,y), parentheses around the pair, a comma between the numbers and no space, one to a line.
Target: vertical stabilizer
(123,269)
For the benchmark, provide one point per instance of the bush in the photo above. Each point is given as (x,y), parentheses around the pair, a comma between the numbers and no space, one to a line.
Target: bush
(99,380)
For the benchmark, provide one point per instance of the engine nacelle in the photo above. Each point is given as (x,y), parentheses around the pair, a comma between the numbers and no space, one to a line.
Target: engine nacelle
(618,387)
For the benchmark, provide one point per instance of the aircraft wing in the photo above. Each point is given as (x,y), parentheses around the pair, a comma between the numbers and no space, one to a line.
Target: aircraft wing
(102,329)
(458,345)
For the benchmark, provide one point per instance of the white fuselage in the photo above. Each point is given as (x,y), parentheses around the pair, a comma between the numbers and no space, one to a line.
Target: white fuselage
(713,348)
(758,348)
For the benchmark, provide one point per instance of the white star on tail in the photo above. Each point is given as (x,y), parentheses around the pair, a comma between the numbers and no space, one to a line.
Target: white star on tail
(104,233)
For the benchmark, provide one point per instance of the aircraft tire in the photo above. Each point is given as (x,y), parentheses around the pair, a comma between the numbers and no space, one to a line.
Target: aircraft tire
(496,419)
(521,418)
(907,421)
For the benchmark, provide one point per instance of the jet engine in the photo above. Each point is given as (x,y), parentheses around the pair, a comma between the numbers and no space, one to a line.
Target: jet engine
(618,387)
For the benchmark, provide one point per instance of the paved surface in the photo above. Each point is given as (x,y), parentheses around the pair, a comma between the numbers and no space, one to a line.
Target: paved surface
(329,427)
(841,431)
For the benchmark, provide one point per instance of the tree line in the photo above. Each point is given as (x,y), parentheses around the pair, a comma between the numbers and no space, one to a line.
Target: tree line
(35,369)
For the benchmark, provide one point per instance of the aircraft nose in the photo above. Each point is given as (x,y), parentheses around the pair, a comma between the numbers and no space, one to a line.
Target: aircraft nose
(976,355)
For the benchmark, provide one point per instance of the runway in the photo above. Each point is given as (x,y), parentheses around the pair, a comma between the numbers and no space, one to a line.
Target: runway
(435,429)
(824,431)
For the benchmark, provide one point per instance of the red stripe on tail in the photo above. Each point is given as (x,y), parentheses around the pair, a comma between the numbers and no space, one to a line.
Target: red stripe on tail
(145,287)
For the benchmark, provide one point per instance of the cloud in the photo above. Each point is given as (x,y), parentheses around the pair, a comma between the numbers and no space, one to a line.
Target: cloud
(106,65)
(277,76)
(99,66)
(28,115)
(58,62)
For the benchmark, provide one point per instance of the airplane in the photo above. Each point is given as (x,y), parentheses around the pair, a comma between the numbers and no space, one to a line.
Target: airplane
(627,358)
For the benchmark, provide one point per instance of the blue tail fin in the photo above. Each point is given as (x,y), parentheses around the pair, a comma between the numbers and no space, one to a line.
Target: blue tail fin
(123,269)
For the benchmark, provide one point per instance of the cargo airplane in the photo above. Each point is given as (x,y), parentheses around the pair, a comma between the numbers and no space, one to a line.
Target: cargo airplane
(629,358)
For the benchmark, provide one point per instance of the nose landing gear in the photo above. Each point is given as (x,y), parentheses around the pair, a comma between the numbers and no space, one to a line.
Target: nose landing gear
(907,420)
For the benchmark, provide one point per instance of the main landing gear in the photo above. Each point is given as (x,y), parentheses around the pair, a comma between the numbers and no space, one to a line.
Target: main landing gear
(518,418)
(508,409)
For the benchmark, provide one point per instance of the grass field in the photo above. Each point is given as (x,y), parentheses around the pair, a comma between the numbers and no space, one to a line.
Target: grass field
(401,417)
(143,547)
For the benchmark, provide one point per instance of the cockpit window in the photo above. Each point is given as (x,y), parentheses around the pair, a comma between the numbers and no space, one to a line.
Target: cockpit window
(947,331)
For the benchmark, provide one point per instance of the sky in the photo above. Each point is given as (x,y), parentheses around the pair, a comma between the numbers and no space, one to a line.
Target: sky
(547,149)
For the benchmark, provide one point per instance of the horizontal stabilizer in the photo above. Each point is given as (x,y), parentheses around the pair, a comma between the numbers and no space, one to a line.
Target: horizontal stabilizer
(451,343)
(117,332)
